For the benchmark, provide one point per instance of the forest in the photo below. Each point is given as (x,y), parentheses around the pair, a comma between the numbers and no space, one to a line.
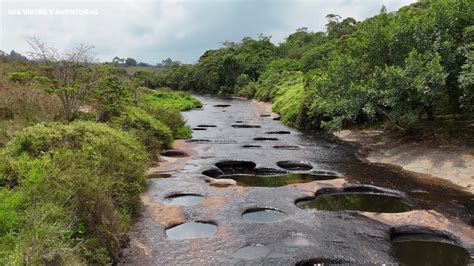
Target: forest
(398,68)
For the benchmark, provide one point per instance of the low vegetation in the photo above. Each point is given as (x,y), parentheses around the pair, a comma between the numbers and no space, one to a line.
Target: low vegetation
(73,156)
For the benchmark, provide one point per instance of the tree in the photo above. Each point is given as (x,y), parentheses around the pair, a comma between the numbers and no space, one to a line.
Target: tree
(466,77)
(337,29)
(112,94)
(70,73)
(117,60)
(130,62)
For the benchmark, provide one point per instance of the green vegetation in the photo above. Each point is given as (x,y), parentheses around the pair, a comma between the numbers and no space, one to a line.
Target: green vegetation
(73,157)
(401,69)
(166,98)
(69,192)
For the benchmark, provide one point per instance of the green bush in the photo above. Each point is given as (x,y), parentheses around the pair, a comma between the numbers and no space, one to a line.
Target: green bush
(153,133)
(181,101)
(170,116)
(21,77)
(112,94)
(288,101)
(68,193)
(184,132)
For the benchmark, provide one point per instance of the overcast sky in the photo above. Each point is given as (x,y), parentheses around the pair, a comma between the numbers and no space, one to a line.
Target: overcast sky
(151,31)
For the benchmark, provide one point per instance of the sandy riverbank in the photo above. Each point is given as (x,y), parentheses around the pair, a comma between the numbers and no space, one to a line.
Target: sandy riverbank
(454,164)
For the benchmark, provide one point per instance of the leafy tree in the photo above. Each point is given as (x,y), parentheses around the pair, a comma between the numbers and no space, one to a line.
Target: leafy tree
(466,76)
(112,94)
(130,62)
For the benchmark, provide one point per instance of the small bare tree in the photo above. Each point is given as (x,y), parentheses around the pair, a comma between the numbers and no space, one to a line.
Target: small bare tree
(69,70)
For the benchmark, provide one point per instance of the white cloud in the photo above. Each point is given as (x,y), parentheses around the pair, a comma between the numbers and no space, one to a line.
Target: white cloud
(153,30)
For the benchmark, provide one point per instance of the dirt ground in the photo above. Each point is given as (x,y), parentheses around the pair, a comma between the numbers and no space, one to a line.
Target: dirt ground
(452,163)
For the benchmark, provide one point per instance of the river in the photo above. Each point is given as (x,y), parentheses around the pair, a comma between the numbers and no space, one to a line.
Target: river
(261,219)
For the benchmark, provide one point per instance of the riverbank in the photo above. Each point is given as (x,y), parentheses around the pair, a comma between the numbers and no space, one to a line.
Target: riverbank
(452,163)
(426,160)
(180,201)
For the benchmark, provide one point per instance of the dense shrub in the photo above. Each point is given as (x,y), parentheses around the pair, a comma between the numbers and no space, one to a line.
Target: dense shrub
(21,77)
(397,68)
(182,101)
(112,95)
(153,133)
(68,193)
(288,101)
(170,116)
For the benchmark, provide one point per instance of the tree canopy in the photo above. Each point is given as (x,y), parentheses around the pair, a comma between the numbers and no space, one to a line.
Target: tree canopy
(398,67)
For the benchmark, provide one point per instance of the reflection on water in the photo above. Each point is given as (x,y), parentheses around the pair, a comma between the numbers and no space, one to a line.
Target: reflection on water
(227,142)
(426,252)
(263,215)
(357,202)
(191,230)
(185,199)
(251,252)
(277,180)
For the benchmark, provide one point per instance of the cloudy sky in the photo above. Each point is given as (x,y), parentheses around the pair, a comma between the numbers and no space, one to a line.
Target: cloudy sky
(151,31)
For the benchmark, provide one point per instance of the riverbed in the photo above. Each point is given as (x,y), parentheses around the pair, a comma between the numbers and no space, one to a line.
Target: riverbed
(272,215)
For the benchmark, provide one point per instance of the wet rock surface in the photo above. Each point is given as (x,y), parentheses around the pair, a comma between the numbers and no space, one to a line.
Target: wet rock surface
(302,236)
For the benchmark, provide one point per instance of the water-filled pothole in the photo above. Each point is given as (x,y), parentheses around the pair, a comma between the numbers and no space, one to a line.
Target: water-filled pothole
(197,141)
(251,252)
(277,180)
(191,230)
(321,261)
(251,146)
(368,199)
(212,172)
(159,175)
(174,153)
(286,147)
(236,166)
(222,105)
(281,132)
(265,139)
(422,252)
(425,246)
(185,199)
(263,215)
(295,165)
(204,126)
(245,126)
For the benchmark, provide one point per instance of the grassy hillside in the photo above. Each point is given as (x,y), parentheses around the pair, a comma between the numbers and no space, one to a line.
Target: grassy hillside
(69,187)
